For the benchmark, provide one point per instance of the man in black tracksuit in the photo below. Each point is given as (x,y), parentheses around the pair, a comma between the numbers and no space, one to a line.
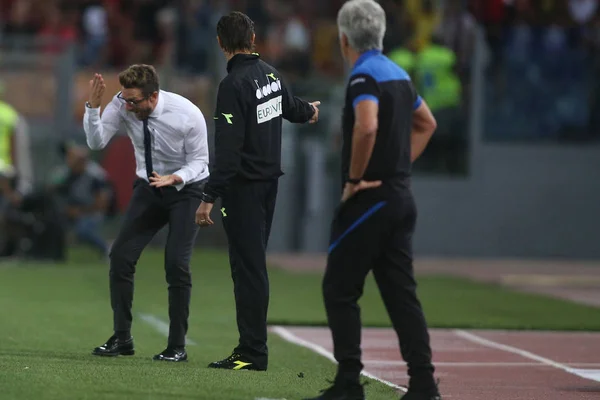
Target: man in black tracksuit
(251,102)
(386,126)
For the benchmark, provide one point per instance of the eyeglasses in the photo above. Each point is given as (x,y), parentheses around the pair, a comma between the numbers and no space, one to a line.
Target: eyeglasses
(131,102)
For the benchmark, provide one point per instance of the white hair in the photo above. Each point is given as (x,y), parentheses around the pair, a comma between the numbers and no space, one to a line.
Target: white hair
(364,23)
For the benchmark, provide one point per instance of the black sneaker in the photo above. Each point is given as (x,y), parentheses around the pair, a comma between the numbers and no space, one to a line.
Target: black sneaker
(341,392)
(417,394)
(236,362)
(172,355)
(420,396)
(115,347)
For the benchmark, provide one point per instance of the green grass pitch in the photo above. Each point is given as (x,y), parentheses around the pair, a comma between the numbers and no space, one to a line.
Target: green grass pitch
(51,316)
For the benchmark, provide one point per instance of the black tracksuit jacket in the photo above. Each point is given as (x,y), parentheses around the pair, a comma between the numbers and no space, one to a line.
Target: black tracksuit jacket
(252,101)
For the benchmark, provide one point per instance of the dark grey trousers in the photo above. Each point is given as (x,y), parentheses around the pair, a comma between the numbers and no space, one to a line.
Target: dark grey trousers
(149,210)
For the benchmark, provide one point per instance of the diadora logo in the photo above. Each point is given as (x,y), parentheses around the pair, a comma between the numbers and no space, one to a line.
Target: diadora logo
(268,110)
(269,88)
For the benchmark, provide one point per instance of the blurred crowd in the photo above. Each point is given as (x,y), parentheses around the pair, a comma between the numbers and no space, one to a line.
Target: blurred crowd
(106,32)
(299,36)
(543,72)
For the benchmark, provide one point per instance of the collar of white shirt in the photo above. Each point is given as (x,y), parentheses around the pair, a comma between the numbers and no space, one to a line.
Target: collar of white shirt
(160,106)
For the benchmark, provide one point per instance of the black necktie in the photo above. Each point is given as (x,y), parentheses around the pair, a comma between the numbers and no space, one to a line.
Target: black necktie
(148,149)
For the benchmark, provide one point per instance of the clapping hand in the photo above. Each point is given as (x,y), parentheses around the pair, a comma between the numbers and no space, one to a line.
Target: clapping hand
(158,181)
(97,89)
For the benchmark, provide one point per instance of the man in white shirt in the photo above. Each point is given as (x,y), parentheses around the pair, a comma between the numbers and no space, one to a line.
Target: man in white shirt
(169,137)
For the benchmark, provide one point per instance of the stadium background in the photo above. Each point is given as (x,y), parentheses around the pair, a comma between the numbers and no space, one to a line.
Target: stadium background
(510,172)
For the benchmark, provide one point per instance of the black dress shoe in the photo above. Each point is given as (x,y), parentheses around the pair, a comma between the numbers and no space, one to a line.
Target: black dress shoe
(115,347)
(170,354)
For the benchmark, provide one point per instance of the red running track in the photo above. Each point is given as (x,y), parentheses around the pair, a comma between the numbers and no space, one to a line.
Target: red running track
(483,365)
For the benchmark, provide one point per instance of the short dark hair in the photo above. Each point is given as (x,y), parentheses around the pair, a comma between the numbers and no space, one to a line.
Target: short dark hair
(140,76)
(235,32)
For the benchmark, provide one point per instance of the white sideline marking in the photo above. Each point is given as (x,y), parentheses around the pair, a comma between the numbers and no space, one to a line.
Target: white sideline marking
(264,398)
(593,375)
(290,337)
(161,326)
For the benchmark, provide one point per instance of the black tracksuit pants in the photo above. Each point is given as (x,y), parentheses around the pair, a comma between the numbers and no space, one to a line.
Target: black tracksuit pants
(149,210)
(371,232)
(248,209)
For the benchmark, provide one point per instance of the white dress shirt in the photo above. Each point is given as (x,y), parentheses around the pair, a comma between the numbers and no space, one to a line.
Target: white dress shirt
(178,131)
